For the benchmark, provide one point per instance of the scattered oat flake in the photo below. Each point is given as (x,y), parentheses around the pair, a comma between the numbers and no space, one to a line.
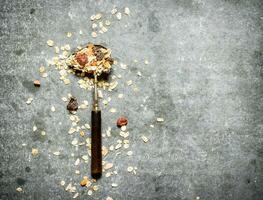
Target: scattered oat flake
(62,183)
(114,184)
(70,188)
(69,34)
(123,128)
(109,198)
(34,151)
(130,169)
(77,162)
(75,195)
(71,130)
(34,128)
(104,29)
(159,119)
(53,109)
(118,15)
(118,146)
(129,153)
(42,69)
(145,139)
(66,81)
(107,23)
(113,110)
(56,153)
(74,141)
(80,32)
(85,157)
(139,73)
(50,43)
(64,99)
(90,192)
(127,11)
(95,188)
(44,75)
(129,82)
(146,62)
(94,25)
(29,100)
(43,133)
(98,16)
(108,166)
(94,34)
(114,11)
(120,96)
(92,17)
(19,189)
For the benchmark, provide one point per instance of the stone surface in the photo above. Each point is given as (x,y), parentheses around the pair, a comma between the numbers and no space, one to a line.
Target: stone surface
(204,78)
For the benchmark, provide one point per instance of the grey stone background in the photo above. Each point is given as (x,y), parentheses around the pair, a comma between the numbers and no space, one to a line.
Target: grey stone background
(205,78)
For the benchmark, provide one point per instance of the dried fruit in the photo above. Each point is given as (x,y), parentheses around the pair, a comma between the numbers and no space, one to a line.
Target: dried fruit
(122,121)
(72,105)
(37,83)
(82,59)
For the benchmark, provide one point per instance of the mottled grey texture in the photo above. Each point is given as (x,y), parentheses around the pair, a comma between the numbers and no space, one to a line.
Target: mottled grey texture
(205,78)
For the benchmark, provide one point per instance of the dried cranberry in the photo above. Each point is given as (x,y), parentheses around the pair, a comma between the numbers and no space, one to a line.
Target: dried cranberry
(82,58)
(122,121)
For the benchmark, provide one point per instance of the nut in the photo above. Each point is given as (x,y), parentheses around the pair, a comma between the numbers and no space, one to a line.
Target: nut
(84,182)
(37,83)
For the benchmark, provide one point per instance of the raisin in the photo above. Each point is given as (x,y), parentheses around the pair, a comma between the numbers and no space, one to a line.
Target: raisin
(122,121)
(82,59)
(73,104)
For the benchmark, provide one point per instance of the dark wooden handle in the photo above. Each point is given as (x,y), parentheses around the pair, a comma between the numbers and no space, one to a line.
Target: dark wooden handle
(96,154)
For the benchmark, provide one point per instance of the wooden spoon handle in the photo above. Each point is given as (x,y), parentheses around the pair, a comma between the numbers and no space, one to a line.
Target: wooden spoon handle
(96,154)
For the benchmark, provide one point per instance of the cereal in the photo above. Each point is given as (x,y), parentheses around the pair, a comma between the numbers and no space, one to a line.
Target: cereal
(118,15)
(159,119)
(50,43)
(145,139)
(122,121)
(127,11)
(34,152)
(37,83)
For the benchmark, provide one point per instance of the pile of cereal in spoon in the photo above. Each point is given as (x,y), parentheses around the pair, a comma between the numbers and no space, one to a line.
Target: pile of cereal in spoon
(90,59)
